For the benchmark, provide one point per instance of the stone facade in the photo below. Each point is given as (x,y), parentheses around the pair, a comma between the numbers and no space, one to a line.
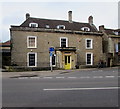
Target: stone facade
(75,53)
(45,40)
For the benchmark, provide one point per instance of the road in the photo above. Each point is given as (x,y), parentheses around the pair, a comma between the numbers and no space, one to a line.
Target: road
(81,88)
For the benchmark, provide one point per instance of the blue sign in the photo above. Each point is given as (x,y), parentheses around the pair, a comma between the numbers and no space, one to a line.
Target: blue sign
(51,49)
(50,53)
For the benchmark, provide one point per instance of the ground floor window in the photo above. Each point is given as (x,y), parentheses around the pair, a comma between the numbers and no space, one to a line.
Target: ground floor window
(54,60)
(32,59)
(119,58)
(89,58)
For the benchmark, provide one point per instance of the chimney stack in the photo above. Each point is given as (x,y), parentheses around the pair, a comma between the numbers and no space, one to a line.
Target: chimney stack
(27,15)
(90,20)
(101,28)
(70,16)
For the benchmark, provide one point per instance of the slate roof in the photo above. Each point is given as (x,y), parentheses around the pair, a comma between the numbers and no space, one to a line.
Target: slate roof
(76,26)
(112,31)
(5,44)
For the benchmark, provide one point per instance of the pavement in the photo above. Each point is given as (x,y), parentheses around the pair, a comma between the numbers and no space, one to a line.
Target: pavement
(34,73)
(39,73)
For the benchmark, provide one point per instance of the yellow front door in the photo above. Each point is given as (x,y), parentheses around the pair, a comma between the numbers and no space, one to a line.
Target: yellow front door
(67,62)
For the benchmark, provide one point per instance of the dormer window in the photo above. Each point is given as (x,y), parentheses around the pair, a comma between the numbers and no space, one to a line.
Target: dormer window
(60,27)
(115,32)
(47,26)
(85,29)
(33,25)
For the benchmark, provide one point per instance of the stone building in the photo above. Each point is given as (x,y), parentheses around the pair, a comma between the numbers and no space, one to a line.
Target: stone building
(5,53)
(111,45)
(75,44)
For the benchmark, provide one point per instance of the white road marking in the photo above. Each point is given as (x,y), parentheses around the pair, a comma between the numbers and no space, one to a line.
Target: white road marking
(23,77)
(47,77)
(96,88)
(34,77)
(94,71)
(97,76)
(60,77)
(85,77)
(72,77)
(109,76)
(100,70)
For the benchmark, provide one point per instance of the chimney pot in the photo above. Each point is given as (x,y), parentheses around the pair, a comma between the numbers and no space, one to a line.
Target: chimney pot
(101,28)
(90,20)
(27,15)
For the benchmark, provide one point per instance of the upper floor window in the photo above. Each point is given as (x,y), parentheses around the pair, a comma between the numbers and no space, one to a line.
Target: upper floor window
(31,41)
(85,29)
(60,27)
(33,25)
(89,43)
(63,42)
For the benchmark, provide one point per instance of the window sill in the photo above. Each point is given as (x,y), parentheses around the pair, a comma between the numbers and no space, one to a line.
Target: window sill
(89,48)
(89,64)
(31,47)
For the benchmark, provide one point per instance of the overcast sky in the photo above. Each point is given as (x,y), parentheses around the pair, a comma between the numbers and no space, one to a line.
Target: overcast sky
(13,13)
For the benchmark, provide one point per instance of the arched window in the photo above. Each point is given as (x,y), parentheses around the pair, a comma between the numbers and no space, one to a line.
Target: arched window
(33,25)
(61,27)
(85,29)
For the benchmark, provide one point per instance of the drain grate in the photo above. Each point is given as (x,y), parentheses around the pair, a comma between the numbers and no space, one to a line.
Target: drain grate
(64,72)
(24,76)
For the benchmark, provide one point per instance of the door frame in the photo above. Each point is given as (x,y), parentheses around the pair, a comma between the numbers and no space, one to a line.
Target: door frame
(35,59)
(67,59)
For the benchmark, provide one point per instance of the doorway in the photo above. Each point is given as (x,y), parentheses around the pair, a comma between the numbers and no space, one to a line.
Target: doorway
(67,62)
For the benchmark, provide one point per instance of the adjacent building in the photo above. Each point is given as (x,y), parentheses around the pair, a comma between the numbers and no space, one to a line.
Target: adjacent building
(111,45)
(74,44)
(5,53)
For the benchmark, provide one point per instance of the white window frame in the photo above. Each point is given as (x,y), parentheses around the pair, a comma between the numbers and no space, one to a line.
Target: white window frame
(28,41)
(91,45)
(91,58)
(58,27)
(85,29)
(35,59)
(33,24)
(66,41)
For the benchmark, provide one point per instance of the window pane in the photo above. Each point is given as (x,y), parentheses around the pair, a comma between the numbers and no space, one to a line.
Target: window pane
(88,43)
(119,47)
(33,25)
(65,60)
(31,41)
(88,58)
(53,60)
(118,58)
(68,59)
(63,42)
(31,59)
